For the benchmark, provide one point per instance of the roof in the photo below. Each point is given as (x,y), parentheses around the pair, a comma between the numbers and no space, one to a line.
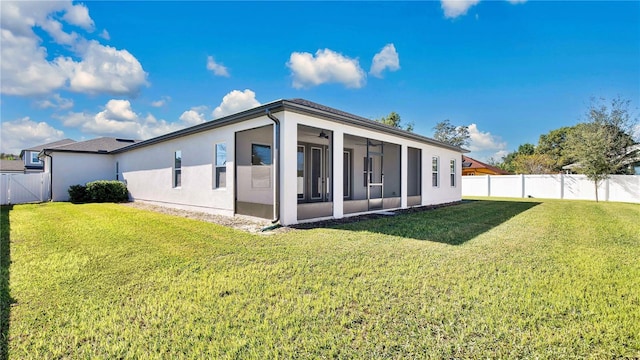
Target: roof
(48,145)
(475,164)
(103,145)
(296,105)
(11,165)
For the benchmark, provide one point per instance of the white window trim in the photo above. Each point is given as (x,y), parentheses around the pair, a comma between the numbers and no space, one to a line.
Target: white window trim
(216,166)
(453,174)
(437,171)
(175,169)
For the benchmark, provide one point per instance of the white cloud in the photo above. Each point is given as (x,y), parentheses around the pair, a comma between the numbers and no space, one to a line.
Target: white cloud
(56,102)
(216,68)
(118,119)
(24,68)
(387,58)
(234,102)
(105,35)
(455,8)
(161,102)
(27,70)
(24,133)
(192,117)
(105,69)
(326,66)
(484,145)
(79,15)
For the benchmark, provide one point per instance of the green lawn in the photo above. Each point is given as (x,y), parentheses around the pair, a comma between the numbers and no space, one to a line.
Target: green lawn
(497,279)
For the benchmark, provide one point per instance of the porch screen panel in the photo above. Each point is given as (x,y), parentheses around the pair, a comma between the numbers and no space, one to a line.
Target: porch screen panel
(316,173)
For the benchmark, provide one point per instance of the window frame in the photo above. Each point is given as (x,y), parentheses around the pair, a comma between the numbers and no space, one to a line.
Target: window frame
(218,168)
(34,155)
(435,171)
(177,169)
(270,154)
(452,167)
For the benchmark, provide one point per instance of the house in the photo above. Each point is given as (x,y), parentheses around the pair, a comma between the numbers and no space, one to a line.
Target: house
(11,166)
(472,166)
(630,162)
(30,156)
(81,162)
(289,160)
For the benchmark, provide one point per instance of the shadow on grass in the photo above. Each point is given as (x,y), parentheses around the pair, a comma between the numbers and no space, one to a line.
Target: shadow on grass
(453,225)
(5,297)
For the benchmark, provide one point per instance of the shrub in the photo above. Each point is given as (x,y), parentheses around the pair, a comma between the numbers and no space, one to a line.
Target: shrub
(78,194)
(107,191)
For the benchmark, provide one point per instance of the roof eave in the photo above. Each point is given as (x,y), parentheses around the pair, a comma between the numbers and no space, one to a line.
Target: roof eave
(371,124)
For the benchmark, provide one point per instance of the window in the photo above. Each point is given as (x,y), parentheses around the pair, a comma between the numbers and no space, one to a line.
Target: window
(34,158)
(260,154)
(300,172)
(117,171)
(261,170)
(220,172)
(434,171)
(453,173)
(177,169)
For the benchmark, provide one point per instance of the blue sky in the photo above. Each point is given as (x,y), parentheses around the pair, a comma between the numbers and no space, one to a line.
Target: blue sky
(511,70)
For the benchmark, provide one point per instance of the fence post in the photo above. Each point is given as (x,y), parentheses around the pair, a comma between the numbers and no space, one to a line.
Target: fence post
(561,186)
(522,185)
(488,185)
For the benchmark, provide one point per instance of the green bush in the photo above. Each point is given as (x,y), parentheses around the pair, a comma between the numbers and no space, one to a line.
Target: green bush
(107,191)
(78,194)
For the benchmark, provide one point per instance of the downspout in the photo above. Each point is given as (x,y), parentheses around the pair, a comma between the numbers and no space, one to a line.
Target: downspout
(44,152)
(276,171)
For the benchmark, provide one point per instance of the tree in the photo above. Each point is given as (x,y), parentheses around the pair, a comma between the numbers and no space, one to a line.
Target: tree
(602,144)
(533,164)
(5,156)
(393,119)
(451,134)
(508,162)
(554,145)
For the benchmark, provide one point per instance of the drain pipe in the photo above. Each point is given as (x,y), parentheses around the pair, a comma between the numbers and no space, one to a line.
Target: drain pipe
(276,167)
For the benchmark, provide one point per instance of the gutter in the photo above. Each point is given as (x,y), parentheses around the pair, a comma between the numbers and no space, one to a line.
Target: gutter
(276,166)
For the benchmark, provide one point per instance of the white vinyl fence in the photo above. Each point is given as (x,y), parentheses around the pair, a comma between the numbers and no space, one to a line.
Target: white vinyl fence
(24,188)
(623,188)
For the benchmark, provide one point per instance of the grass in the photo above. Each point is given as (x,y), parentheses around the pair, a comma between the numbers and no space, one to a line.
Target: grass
(498,279)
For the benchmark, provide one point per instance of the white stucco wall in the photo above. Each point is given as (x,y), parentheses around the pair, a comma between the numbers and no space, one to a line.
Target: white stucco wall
(148,171)
(77,168)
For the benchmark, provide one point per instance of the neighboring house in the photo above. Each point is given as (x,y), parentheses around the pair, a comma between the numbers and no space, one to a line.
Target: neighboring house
(81,162)
(11,167)
(631,162)
(289,160)
(30,159)
(472,166)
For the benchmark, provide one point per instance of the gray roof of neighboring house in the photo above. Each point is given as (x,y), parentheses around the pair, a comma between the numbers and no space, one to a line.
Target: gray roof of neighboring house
(299,105)
(101,145)
(11,165)
(48,145)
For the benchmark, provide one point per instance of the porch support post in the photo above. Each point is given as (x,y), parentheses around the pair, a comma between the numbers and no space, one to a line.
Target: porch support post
(404,172)
(425,176)
(288,167)
(338,158)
